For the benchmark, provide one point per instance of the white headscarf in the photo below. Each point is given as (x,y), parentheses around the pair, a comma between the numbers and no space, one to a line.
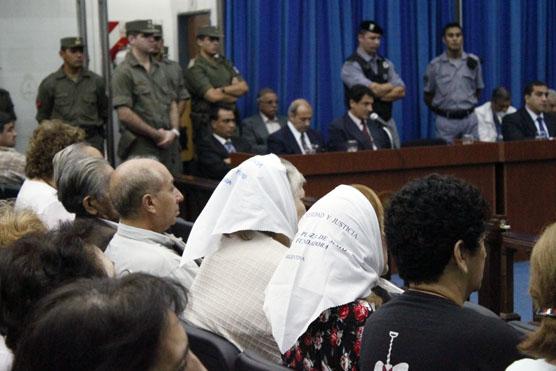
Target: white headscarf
(335,258)
(256,195)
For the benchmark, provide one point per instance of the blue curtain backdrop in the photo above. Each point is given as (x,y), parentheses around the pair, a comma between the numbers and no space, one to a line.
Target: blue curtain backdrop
(515,41)
(297,47)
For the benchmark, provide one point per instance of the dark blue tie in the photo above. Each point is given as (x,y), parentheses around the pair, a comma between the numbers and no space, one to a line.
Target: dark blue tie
(542,132)
(230,146)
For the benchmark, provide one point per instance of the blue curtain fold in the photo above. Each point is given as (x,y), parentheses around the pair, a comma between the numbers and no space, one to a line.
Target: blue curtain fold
(514,40)
(297,47)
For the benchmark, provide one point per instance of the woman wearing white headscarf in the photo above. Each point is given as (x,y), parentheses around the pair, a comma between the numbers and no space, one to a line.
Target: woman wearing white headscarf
(243,232)
(315,301)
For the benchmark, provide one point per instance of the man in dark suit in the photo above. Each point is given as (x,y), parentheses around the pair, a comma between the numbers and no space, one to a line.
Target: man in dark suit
(213,151)
(256,129)
(356,126)
(530,121)
(296,137)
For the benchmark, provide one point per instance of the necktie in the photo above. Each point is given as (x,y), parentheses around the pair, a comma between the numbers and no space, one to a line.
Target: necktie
(542,131)
(367,133)
(229,146)
(306,148)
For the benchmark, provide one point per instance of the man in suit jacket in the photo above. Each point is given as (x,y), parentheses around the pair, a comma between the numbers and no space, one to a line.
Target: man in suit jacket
(256,129)
(356,125)
(296,137)
(530,122)
(213,151)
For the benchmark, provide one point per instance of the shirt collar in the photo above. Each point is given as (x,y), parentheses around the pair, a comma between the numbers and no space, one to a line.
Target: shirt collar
(366,56)
(144,235)
(357,120)
(534,115)
(295,132)
(266,119)
(220,139)
(134,62)
(444,56)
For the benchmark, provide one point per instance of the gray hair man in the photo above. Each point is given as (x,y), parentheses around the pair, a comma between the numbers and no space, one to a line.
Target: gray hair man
(143,193)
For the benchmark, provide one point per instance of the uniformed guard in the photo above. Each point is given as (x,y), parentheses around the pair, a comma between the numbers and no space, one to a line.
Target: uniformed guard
(210,78)
(74,94)
(145,101)
(175,74)
(368,68)
(453,84)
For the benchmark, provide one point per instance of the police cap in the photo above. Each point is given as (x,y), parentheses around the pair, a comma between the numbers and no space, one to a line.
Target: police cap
(72,42)
(158,28)
(140,26)
(370,26)
(209,31)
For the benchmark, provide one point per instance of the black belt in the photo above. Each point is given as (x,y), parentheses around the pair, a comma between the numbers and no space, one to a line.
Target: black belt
(458,114)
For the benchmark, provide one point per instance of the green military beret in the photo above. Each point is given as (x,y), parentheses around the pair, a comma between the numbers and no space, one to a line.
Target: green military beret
(209,31)
(158,28)
(141,26)
(72,42)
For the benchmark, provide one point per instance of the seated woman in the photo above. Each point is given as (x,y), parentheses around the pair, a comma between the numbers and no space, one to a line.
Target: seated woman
(36,264)
(542,286)
(16,224)
(38,192)
(109,324)
(243,232)
(315,301)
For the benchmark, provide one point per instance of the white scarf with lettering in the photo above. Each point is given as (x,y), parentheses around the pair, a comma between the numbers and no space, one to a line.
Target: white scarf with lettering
(335,258)
(256,195)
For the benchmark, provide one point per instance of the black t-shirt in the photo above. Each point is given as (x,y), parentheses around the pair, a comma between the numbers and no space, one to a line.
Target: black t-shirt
(427,332)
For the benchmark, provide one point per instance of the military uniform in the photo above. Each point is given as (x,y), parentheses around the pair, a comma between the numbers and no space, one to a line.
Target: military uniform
(149,95)
(6,104)
(200,76)
(81,103)
(454,83)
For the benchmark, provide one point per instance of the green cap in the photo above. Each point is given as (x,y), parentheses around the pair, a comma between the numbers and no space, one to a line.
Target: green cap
(141,26)
(158,28)
(72,42)
(209,31)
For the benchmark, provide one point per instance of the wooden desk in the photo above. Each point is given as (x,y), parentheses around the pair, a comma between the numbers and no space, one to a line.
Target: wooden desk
(386,171)
(516,178)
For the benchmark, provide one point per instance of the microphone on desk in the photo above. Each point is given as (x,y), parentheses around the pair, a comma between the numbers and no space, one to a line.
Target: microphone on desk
(374,116)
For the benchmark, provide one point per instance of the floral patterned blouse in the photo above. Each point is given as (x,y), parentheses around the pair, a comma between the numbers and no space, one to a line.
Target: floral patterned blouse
(332,341)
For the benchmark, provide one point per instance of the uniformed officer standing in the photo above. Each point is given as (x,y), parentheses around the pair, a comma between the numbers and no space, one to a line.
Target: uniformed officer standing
(145,101)
(453,84)
(175,74)
(368,68)
(210,78)
(74,94)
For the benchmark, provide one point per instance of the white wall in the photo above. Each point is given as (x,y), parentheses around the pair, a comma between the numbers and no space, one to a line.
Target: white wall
(30,33)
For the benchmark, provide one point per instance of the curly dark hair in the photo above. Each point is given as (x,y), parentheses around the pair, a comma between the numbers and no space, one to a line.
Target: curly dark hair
(49,138)
(426,218)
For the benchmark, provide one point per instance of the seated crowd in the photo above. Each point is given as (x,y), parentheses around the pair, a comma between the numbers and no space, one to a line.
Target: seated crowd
(96,281)
(92,279)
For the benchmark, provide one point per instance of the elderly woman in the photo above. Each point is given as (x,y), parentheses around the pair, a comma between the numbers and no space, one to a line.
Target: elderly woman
(243,232)
(16,224)
(315,301)
(38,192)
(542,286)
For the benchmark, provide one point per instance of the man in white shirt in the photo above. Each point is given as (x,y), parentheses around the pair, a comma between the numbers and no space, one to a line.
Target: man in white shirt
(143,193)
(297,137)
(530,122)
(490,114)
(256,129)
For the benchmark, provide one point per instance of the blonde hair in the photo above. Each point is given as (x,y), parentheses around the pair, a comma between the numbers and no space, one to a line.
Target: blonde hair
(542,287)
(375,202)
(16,224)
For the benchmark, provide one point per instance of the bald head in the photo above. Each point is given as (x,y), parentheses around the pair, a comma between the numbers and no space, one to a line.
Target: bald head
(131,181)
(300,114)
